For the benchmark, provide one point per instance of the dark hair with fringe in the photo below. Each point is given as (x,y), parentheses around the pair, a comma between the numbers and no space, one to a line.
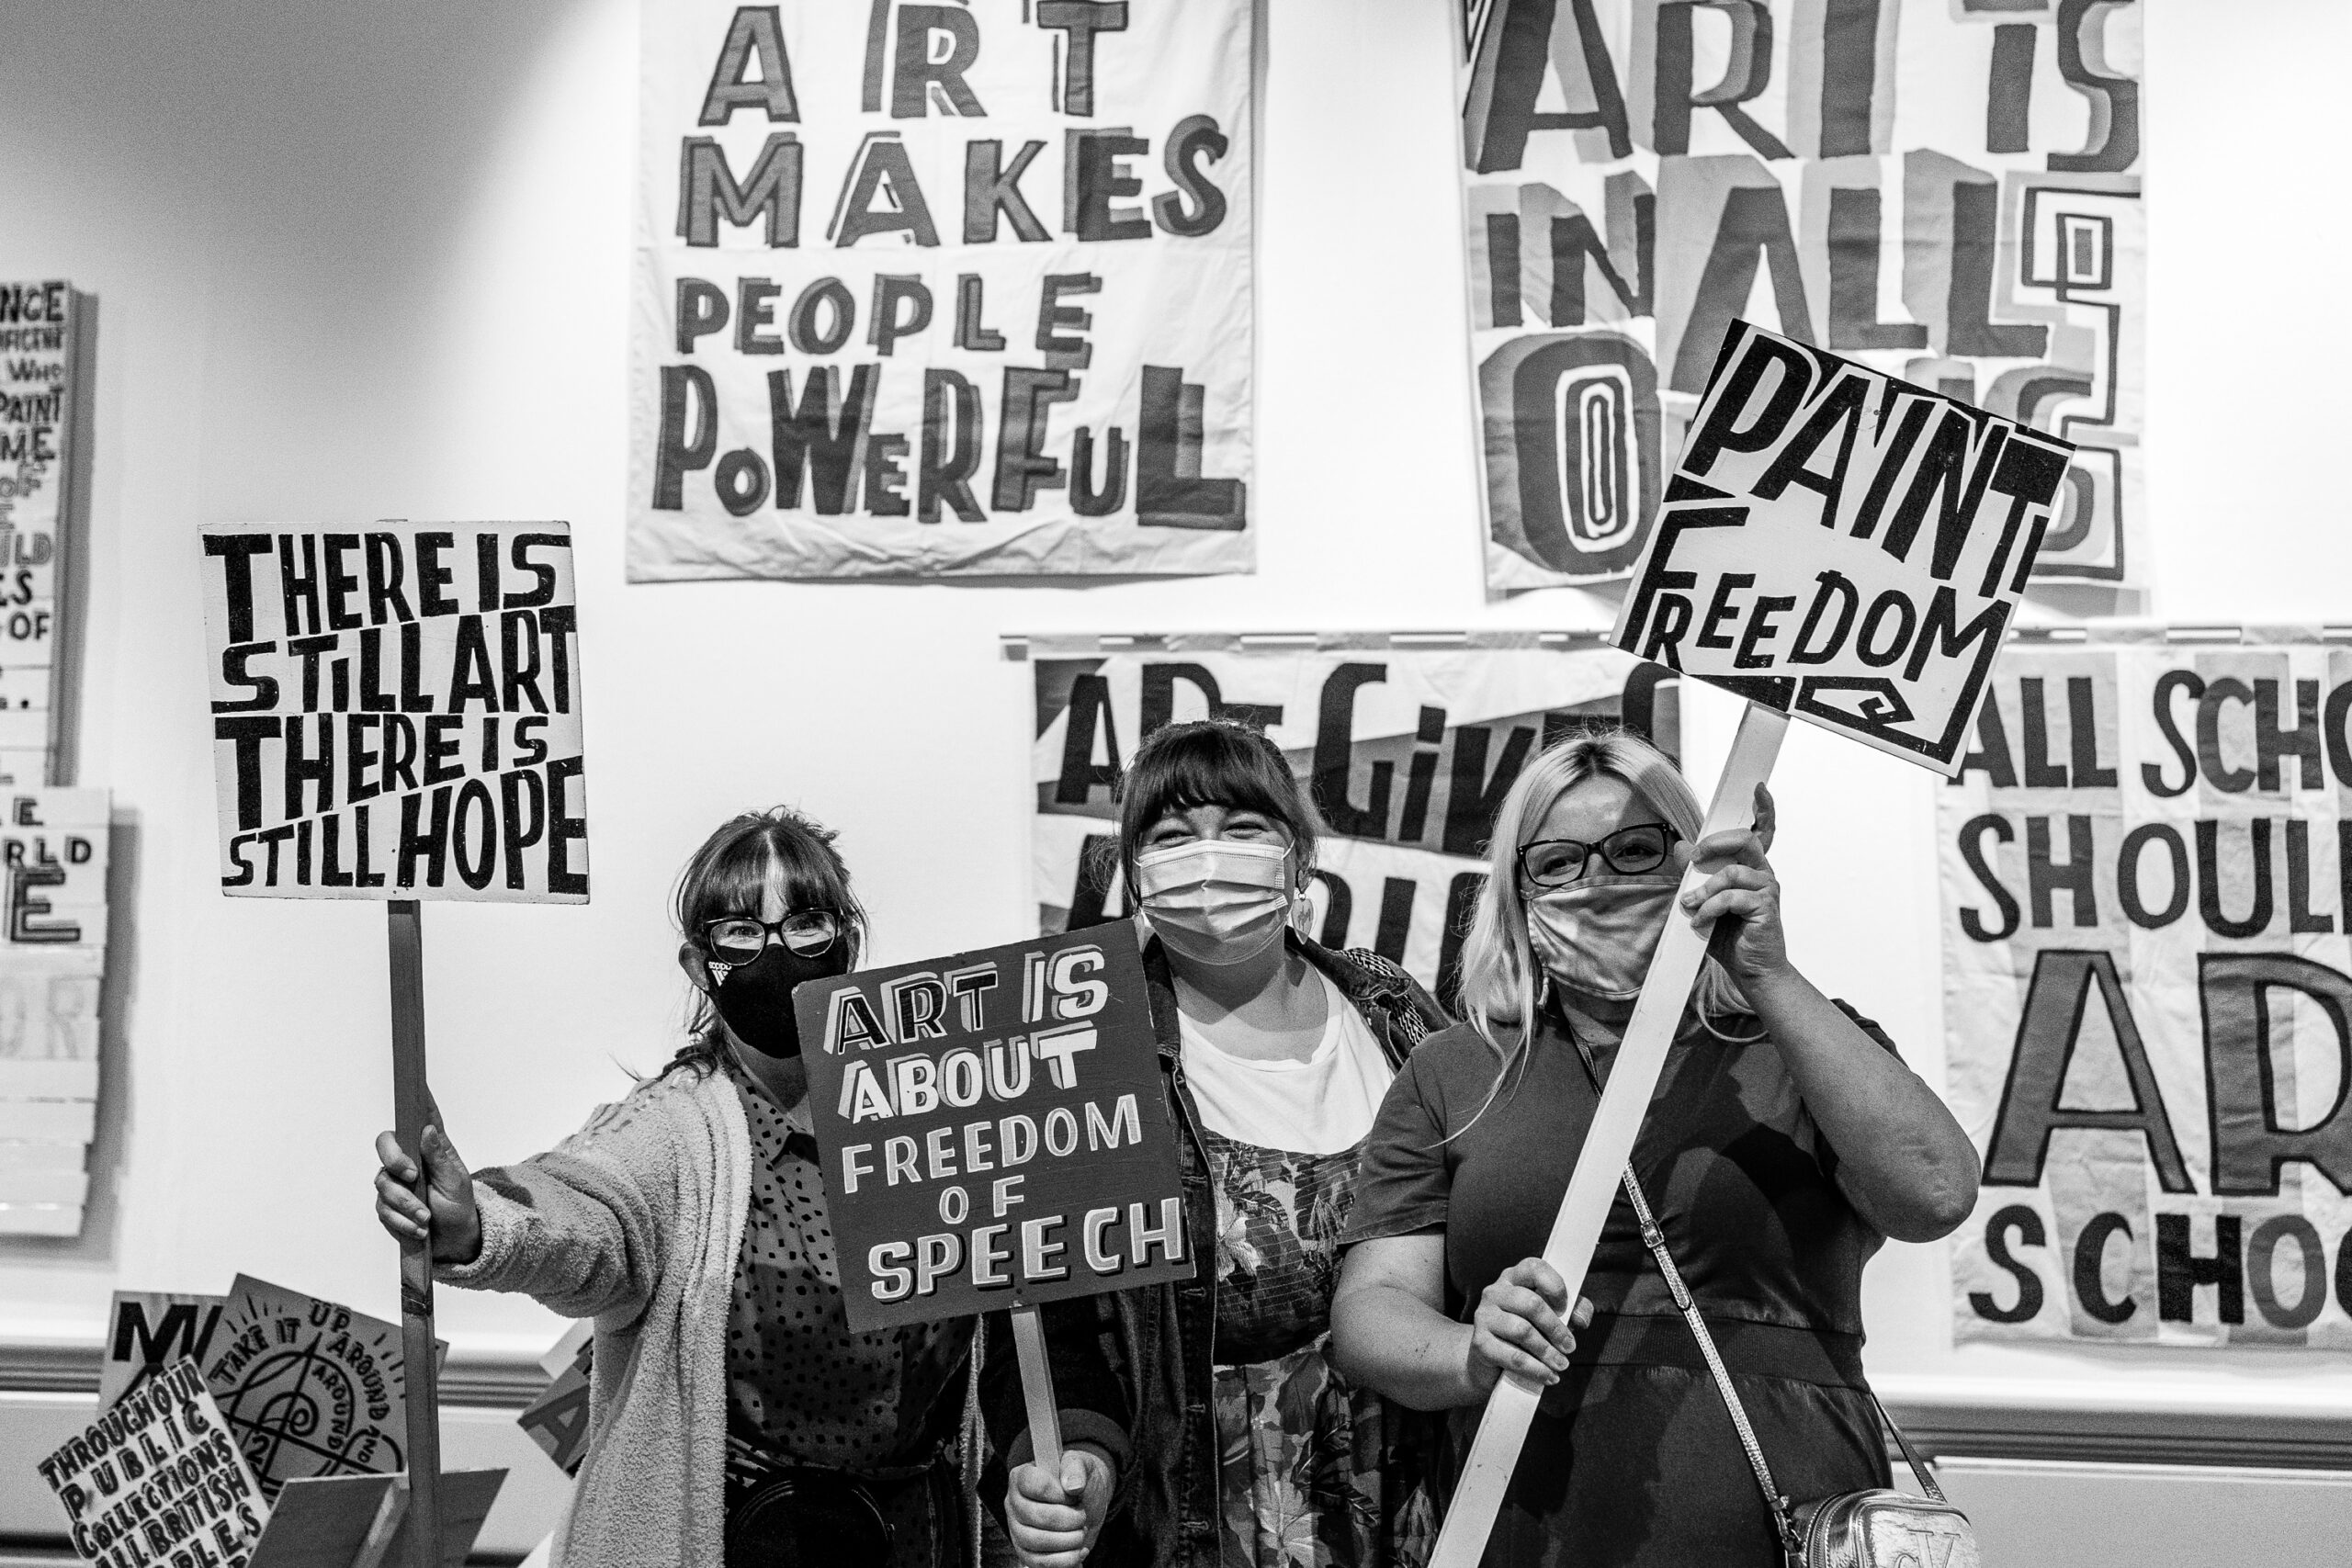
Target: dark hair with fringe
(729,875)
(1211,762)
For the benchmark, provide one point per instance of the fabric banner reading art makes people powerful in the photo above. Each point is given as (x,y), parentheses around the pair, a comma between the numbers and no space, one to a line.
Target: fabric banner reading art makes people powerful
(1408,747)
(942,290)
(1947,190)
(2147,872)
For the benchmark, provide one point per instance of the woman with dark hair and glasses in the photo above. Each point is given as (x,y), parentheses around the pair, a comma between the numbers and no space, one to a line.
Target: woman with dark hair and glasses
(1786,1141)
(737,1419)
(1204,1419)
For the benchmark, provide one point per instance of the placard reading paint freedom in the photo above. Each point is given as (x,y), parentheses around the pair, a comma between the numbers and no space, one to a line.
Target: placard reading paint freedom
(1842,547)
(2147,913)
(396,711)
(994,1130)
(1947,190)
(929,290)
(1408,747)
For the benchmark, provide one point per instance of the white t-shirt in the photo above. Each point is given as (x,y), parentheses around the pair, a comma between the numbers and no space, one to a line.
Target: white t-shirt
(1319,1106)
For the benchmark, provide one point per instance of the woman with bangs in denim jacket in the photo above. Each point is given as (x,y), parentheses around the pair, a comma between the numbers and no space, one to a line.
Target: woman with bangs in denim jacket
(1204,1423)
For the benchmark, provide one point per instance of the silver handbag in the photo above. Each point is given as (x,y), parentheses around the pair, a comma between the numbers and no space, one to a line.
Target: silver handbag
(1874,1529)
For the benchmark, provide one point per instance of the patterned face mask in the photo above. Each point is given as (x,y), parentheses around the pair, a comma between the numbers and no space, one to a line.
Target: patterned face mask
(1598,936)
(1216,900)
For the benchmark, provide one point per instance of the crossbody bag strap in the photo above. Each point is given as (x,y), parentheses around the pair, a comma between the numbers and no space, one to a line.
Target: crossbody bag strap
(1655,1239)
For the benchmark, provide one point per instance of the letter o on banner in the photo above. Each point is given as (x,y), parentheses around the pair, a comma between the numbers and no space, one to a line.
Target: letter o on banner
(955,1204)
(742,481)
(1061,1131)
(2261,1263)
(1886,604)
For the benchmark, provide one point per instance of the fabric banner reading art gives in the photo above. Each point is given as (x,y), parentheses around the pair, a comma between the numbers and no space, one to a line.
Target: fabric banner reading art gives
(943,290)
(2147,875)
(1946,190)
(1407,750)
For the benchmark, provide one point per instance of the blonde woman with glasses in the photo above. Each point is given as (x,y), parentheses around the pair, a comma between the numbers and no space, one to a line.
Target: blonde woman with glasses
(1787,1140)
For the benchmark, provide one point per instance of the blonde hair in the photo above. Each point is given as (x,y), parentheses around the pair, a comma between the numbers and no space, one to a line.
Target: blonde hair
(1500,975)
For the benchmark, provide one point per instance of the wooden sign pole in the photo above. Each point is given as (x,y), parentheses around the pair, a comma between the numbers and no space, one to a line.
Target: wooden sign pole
(1037,1388)
(411,1110)
(1632,1080)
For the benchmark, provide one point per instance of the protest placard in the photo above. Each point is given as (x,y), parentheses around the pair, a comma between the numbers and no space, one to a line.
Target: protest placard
(928,290)
(558,1419)
(1842,547)
(147,1331)
(1898,566)
(157,1480)
(54,867)
(994,1129)
(44,462)
(396,711)
(308,1387)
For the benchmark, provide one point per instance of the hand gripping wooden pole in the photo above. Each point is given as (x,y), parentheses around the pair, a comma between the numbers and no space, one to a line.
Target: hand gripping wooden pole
(412,1108)
(1632,1079)
(1037,1388)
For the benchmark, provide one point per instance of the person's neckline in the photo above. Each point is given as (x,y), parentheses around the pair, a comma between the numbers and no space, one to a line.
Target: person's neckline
(1326,1046)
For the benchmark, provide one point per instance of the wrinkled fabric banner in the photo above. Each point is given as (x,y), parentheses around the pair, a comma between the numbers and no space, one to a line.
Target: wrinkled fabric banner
(928,291)
(1946,190)
(2147,869)
(1408,752)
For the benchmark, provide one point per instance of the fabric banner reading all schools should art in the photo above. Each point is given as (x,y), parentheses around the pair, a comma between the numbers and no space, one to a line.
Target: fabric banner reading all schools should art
(1407,751)
(1946,190)
(942,290)
(2147,872)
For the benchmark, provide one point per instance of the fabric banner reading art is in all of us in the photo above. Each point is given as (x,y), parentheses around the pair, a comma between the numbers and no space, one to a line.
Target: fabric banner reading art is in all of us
(942,290)
(1946,190)
(1407,746)
(2147,872)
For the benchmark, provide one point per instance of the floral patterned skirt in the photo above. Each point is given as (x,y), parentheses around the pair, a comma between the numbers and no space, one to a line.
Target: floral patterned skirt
(1300,1467)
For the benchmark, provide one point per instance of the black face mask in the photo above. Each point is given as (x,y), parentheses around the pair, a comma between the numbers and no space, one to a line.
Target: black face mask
(755,998)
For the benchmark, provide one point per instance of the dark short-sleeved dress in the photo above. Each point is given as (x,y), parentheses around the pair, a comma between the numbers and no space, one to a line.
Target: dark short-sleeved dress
(1632,1461)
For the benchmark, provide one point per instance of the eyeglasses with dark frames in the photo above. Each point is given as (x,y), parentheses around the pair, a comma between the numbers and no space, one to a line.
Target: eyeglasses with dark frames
(740,938)
(1629,851)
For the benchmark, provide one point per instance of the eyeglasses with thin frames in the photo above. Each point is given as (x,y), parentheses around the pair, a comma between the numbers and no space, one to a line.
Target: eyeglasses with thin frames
(1629,851)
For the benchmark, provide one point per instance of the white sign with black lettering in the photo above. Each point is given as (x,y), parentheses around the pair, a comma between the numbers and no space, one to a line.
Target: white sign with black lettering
(1842,547)
(396,711)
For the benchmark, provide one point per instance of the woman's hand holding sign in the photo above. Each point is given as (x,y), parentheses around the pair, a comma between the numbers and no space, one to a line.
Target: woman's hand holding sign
(1523,1326)
(1741,898)
(446,1213)
(1054,1519)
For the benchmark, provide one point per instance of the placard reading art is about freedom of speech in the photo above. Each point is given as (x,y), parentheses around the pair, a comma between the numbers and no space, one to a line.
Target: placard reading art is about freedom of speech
(942,290)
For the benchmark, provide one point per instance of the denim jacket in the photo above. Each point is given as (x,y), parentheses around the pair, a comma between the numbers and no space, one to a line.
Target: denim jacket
(1132,1369)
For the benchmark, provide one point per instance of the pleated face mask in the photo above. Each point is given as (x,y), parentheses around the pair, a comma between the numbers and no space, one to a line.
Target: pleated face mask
(1216,900)
(1598,936)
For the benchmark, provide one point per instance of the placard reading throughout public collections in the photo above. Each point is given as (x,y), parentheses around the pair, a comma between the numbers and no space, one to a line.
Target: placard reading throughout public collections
(157,1479)
(1947,190)
(1842,547)
(994,1129)
(2147,913)
(929,290)
(396,711)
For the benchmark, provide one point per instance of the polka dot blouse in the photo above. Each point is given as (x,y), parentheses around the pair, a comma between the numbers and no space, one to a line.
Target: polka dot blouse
(801,1387)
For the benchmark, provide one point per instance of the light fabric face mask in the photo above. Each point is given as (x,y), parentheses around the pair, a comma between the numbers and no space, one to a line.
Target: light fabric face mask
(1216,900)
(1598,936)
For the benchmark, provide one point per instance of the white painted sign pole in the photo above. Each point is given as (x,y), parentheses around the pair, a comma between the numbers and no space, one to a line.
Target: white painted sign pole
(1632,1079)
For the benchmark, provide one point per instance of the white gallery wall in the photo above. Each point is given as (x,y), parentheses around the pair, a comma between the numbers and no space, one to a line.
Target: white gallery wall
(371,261)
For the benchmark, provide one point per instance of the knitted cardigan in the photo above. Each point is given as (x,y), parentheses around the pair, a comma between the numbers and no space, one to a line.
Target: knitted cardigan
(635,1221)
